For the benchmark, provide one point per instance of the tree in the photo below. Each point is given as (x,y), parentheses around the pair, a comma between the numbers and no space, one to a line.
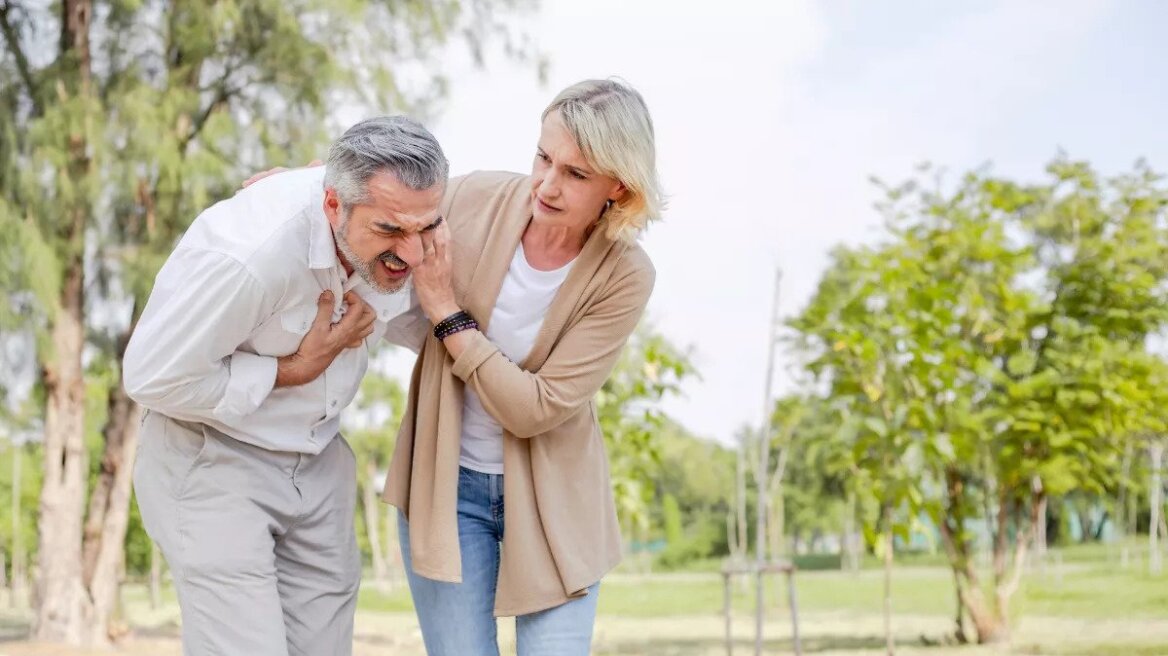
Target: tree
(694,494)
(1001,328)
(370,428)
(631,420)
(123,125)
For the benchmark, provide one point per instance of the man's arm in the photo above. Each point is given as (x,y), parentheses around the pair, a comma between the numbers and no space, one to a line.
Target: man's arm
(410,328)
(184,360)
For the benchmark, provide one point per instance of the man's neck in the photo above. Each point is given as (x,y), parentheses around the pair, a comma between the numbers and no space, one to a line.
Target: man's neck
(344,263)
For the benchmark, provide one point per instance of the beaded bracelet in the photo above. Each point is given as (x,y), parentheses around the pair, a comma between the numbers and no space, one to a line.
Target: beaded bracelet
(455,323)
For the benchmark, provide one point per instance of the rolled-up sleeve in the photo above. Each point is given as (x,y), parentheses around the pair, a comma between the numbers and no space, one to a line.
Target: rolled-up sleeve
(184,358)
(526,403)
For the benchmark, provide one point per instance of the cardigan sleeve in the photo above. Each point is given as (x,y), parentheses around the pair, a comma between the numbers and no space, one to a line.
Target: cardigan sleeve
(526,403)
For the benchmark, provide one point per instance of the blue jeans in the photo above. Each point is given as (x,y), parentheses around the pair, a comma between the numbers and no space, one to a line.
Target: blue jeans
(457,619)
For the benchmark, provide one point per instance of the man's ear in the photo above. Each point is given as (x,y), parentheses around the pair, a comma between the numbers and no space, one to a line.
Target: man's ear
(332,207)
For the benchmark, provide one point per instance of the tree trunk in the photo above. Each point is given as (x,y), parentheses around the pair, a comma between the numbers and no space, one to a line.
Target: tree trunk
(1040,524)
(851,544)
(777,524)
(1008,577)
(1155,492)
(120,408)
(373,520)
(741,500)
(988,625)
(731,533)
(103,546)
(109,552)
(959,619)
(1126,526)
(889,643)
(19,576)
(63,606)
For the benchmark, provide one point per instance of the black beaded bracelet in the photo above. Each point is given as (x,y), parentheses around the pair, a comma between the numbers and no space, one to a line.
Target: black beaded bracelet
(457,322)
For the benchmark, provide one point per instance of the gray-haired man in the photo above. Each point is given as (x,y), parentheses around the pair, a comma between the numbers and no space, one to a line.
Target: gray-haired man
(252,342)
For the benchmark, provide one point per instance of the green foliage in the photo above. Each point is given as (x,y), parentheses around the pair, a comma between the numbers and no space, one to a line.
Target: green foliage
(107,156)
(695,480)
(30,477)
(992,350)
(671,516)
(631,420)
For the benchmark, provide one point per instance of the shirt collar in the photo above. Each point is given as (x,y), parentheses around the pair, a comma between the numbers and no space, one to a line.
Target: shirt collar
(322,247)
(387,306)
(322,254)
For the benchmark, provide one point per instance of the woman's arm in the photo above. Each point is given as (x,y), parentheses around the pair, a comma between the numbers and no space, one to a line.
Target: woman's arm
(525,403)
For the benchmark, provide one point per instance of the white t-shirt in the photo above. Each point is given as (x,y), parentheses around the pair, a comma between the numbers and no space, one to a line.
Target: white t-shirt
(524,299)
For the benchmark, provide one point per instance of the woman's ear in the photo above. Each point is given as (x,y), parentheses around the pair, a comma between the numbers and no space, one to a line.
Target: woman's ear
(618,192)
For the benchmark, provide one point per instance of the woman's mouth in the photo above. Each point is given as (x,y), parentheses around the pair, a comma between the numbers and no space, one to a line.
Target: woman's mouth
(544,206)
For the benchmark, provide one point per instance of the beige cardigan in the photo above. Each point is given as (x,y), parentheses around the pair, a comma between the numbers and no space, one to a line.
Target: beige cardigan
(561,532)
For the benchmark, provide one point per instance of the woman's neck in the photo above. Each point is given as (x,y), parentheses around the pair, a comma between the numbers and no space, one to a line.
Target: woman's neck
(551,247)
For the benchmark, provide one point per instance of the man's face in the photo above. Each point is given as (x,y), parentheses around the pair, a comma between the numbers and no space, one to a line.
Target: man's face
(381,240)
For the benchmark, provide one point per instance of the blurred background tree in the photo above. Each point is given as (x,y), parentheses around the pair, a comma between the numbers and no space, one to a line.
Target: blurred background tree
(123,119)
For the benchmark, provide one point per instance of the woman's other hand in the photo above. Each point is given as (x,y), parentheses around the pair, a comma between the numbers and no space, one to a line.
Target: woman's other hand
(279,169)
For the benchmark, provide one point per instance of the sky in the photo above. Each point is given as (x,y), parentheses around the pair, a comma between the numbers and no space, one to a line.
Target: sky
(771,118)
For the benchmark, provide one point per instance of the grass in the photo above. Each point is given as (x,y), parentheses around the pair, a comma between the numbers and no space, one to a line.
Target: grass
(1088,588)
(1084,604)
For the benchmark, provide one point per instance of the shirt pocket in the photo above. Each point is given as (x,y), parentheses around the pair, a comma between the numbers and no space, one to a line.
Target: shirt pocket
(282,333)
(298,319)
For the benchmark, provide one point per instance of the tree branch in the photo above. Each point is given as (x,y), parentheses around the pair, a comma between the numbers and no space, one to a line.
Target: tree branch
(223,95)
(22,65)
(1024,539)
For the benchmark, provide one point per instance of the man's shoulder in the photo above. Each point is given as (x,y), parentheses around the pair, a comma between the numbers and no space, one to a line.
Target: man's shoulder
(480,186)
(271,216)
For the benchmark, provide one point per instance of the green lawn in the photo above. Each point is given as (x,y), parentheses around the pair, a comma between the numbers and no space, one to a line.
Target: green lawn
(1084,603)
(1094,590)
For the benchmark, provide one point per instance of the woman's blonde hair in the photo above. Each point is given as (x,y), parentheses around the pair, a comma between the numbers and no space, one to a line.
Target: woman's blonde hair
(612,127)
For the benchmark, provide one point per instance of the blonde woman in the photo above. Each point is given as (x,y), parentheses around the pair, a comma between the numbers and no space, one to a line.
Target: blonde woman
(499,469)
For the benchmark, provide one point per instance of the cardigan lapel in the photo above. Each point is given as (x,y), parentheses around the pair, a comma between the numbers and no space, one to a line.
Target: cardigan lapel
(593,259)
(502,239)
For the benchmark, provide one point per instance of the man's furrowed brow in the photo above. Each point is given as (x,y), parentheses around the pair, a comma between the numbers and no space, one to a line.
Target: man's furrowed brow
(392,229)
(388,227)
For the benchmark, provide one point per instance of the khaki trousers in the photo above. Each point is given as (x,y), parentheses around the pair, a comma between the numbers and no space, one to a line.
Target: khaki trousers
(260,543)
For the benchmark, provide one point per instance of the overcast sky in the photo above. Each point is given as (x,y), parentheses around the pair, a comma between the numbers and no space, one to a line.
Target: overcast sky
(771,116)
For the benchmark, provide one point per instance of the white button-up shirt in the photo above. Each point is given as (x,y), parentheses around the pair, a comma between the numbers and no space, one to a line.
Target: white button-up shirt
(239,291)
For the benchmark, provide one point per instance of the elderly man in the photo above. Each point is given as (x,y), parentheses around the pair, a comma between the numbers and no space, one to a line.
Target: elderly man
(253,340)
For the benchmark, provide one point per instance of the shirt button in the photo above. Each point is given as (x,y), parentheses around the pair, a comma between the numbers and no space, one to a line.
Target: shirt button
(333,403)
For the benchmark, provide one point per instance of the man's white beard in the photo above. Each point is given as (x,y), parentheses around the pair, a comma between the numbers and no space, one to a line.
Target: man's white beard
(362,267)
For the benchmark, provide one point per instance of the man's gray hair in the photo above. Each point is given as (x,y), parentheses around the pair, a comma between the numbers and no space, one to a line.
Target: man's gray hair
(395,144)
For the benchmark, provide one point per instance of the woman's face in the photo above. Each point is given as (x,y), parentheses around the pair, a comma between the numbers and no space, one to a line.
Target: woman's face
(565,190)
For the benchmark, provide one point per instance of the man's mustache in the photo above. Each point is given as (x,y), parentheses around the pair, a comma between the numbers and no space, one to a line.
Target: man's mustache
(390,258)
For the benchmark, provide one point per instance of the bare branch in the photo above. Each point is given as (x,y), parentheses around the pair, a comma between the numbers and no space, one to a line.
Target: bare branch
(22,66)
